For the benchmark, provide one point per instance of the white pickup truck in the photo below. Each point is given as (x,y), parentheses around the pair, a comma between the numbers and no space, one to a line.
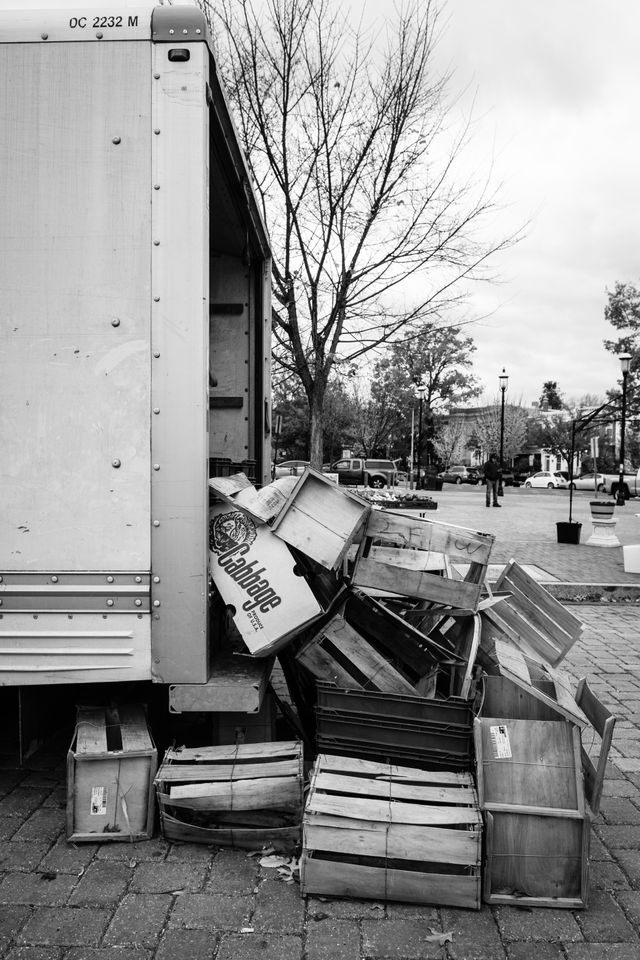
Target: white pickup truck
(631,484)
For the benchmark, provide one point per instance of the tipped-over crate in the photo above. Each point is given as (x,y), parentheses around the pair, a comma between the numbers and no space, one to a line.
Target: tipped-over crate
(110,769)
(531,794)
(376,831)
(244,795)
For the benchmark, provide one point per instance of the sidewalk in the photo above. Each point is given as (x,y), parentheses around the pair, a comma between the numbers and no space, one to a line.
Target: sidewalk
(158,900)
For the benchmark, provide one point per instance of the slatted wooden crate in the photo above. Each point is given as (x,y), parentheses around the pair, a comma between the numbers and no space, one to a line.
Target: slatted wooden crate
(243,795)
(532,618)
(110,769)
(412,556)
(531,794)
(367,646)
(372,830)
(320,519)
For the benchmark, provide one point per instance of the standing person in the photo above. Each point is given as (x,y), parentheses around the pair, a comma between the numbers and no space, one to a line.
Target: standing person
(492,478)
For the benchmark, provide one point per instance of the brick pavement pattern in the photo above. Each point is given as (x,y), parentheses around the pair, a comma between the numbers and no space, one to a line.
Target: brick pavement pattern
(157,900)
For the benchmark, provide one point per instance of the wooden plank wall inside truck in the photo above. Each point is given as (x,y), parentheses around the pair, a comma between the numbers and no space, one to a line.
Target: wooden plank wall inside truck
(135,320)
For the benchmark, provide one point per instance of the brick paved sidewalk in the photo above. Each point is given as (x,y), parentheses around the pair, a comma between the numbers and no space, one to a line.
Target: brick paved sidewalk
(157,900)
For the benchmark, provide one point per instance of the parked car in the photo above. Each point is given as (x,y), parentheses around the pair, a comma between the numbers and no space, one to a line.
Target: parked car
(458,473)
(372,473)
(289,468)
(589,481)
(544,478)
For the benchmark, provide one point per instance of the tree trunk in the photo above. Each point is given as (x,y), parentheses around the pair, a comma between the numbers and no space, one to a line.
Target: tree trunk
(316,405)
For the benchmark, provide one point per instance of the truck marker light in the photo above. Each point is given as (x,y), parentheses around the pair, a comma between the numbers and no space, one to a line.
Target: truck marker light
(179,55)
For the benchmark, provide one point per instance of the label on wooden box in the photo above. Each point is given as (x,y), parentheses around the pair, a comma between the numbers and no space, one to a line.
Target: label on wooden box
(253,570)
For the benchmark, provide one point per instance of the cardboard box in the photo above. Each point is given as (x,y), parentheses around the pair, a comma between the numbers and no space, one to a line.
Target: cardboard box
(254,572)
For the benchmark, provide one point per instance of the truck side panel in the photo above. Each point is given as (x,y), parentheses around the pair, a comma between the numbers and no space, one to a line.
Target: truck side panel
(74,250)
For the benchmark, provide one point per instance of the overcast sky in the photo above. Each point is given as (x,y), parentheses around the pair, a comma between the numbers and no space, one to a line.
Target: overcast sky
(557,87)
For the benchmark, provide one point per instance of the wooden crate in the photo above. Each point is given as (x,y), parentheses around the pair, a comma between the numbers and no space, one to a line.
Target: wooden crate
(367,646)
(413,557)
(532,618)
(243,795)
(110,769)
(384,832)
(320,519)
(531,794)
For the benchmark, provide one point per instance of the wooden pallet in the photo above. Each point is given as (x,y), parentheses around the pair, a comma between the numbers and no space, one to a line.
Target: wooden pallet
(412,556)
(243,795)
(532,797)
(111,764)
(372,830)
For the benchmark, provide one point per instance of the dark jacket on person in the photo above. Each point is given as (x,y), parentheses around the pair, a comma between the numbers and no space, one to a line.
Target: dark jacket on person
(491,470)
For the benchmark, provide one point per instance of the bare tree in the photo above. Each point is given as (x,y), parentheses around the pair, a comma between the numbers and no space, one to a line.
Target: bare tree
(486,430)
(347,141)
(451,441)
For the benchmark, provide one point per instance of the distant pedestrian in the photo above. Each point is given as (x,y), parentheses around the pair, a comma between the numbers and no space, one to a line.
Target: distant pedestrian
(492,480)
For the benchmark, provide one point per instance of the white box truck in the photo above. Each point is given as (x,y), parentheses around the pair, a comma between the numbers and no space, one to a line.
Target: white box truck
(135,338)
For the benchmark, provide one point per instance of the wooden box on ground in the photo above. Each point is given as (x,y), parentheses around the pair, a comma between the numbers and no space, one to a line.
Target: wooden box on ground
(110,769)
(531,794)
(411,556)
(320,519)
(243,795)
(372,830)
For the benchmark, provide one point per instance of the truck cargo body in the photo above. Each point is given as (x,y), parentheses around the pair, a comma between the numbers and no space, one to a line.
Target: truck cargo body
(135,319)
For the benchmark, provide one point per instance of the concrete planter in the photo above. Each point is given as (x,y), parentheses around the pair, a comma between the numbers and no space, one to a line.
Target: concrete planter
(602,509)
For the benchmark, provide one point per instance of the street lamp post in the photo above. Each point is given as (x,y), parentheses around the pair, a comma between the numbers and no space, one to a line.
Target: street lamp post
(503,380)
(625,363)
(421,393)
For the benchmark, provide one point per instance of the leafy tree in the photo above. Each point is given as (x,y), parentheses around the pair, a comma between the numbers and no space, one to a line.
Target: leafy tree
(623,313)
(346,136)
(486,430)
(550,398)
(436,358)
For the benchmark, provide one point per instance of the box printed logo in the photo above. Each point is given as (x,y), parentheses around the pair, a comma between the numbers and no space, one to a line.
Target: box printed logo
(231,536)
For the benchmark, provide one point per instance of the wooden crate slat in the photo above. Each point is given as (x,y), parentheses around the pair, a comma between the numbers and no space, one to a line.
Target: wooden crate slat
(235,752)
(133,727)
(91,731)
(384,771)
(361,808)
(324,666)
(415,583)
(395,791)
(239,794)
(281,838)
(392,841)
(378,883)
(194,773)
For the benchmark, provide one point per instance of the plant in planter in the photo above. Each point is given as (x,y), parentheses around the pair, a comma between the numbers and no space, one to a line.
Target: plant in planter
(602,509)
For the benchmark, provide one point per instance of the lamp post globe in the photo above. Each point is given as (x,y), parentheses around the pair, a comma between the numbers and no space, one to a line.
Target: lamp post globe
(625,366)
(503,380)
